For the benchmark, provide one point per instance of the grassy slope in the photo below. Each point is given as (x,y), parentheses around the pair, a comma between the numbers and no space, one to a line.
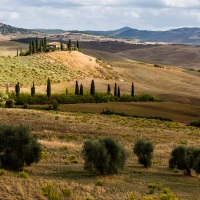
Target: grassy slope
(62,134)
(59,66)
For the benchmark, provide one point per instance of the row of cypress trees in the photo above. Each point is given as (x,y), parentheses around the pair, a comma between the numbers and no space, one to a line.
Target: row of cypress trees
(78,91)
(41,45)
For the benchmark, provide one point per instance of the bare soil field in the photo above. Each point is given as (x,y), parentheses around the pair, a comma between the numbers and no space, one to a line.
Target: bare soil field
(62,134)
(183,113)
(175,55)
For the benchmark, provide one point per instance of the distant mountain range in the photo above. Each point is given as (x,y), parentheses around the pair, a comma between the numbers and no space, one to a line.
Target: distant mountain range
(176,36)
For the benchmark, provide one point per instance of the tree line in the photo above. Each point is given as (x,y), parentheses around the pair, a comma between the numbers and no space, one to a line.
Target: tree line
(42,45)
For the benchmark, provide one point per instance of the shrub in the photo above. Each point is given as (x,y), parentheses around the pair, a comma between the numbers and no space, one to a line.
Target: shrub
(167,195)
(50,192)
(155,186)
(99,183)
(104,156)
(3,99)
(185,158)
(18,147)
(73,158)
(144,151)
(67,192)
(23,174)
(2,172)
(195,123)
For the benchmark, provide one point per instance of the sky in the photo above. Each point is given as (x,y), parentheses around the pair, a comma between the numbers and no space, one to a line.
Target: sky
(100,14)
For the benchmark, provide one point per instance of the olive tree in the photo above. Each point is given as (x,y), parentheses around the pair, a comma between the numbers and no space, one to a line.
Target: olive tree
(18,147)
(144,152)
(104,156)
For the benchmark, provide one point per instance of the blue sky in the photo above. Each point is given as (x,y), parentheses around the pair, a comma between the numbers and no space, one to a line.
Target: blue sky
(101,14)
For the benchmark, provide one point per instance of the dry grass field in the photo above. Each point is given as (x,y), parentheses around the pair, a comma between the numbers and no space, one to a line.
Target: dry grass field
(63,132)
(62,135)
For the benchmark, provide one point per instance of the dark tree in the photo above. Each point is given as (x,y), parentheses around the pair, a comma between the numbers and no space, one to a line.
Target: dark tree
(18,147)
(33,47)
(81,89)
(92,88)
(104,156)
(77,89)
(78,44)
(132,90)
(45,44)
(185,158)
(30,48)
(48,87)
(144,152)
(40,46)
(69,45)
(108,89)
(36,44)
(66,90)
(33,90)
(42,43)
(115,90)
(61,46)
(118,92)
(17,89)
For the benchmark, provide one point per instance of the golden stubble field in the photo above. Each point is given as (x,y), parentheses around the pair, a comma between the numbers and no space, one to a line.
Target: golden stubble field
(62,135)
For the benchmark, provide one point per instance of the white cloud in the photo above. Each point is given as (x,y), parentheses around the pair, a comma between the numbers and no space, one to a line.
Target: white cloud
(182,3)
(100,15)
(9,15)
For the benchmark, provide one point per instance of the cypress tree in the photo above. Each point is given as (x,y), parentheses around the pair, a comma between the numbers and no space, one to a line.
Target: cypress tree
(17,89)
(17,52)
(61,46)
(48,88)
(20,52)
(132,90)
(33,90)
(45,44)
(92,88)
(77,45)
(33,46)
(115,90)
(77,89)
(69,45)
(30,48)
(118,93)
(66,90)
(81,89)
(36,44)
(42,45)
(108,89)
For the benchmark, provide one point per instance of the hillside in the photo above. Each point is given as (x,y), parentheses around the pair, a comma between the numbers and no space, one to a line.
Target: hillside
(6,29)
(59,66)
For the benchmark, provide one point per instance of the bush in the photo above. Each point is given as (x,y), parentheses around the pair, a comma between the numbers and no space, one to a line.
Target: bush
(99,183)
(185,158)
(104,156)
(3,99)
(195,123)
(144,151)
(18,147)
(2,172)
(23,174)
